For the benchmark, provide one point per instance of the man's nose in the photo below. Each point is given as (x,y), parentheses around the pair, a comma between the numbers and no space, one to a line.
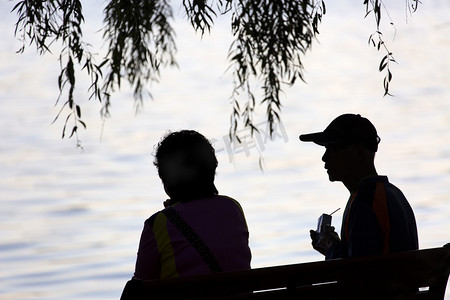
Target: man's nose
(325,156)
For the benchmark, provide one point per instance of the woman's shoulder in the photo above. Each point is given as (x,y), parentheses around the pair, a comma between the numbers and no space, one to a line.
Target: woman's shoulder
(151,221)
(231,201)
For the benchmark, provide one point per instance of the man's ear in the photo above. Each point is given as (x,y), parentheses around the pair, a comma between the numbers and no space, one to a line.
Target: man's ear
(365,155)
(358,153)
(361,149)
(364,151)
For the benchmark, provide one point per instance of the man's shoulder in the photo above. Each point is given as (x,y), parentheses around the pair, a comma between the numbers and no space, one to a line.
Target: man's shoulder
(390,188)
(371,187)
(370,183)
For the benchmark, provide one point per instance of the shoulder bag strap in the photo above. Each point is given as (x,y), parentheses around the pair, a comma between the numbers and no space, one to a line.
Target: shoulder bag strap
(193,238)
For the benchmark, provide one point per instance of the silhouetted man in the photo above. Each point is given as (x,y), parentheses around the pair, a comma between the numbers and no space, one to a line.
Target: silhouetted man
(377,218)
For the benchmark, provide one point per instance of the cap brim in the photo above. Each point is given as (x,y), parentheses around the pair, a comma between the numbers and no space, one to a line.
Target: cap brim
(319,138)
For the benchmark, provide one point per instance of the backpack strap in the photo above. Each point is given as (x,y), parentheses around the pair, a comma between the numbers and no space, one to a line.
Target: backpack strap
(188,232)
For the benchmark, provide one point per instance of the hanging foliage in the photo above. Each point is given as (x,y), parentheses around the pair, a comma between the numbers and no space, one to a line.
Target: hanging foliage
(270,40)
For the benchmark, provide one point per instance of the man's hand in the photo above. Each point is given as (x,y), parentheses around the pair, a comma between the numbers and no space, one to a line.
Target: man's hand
(325,239)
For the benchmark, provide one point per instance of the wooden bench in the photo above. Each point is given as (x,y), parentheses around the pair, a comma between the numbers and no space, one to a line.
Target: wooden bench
(420,274)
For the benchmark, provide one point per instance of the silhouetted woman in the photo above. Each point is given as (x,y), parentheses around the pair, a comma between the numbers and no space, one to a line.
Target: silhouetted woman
(199,231)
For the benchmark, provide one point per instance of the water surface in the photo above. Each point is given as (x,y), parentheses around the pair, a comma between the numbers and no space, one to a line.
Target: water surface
(71,218)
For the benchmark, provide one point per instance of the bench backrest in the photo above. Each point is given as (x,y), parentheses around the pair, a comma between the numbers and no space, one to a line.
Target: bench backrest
(420,274)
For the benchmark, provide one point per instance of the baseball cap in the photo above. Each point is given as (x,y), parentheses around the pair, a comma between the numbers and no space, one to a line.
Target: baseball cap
(347,128)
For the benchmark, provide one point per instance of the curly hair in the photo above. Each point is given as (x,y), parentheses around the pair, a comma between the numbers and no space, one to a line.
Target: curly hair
(196,150)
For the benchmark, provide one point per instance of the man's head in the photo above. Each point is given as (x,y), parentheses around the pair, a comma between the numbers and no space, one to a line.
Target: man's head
(186,164)
(351,142)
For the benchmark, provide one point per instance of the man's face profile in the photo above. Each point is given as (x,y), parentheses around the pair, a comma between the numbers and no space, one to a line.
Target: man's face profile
(340,160)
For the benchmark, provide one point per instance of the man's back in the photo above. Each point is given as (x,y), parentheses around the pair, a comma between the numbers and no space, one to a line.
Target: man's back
(403,234)
(378,219)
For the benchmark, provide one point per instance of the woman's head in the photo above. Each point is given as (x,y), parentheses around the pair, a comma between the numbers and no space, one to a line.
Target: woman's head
(186,164)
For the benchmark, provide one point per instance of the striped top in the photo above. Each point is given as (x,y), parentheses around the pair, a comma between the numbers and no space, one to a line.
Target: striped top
(377,219)
(220,223)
